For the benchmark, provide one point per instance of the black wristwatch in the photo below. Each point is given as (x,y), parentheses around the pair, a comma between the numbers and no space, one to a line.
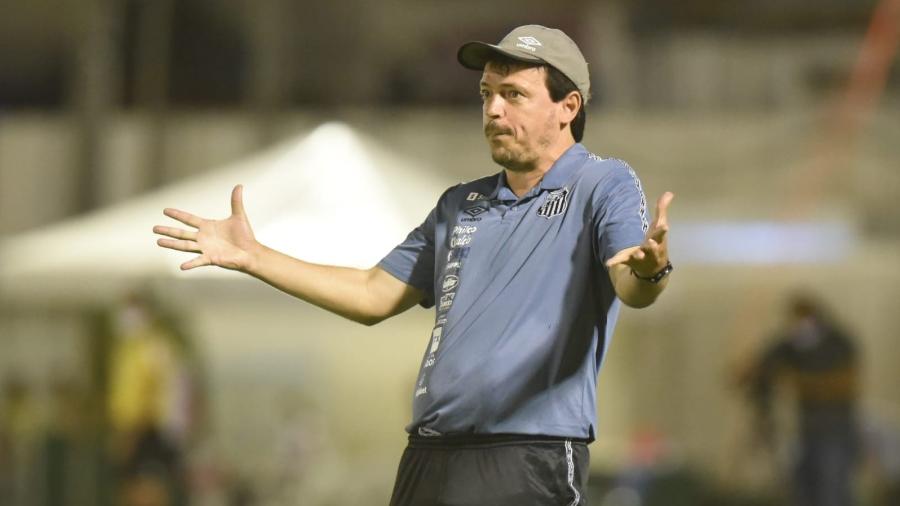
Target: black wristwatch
(656,278)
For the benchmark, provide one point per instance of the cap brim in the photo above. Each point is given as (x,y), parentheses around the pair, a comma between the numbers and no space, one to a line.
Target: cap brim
(474,55)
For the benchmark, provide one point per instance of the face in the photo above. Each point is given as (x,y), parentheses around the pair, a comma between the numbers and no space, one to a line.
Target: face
(521,121)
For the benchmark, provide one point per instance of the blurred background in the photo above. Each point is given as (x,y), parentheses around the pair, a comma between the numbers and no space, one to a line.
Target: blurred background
(765,375)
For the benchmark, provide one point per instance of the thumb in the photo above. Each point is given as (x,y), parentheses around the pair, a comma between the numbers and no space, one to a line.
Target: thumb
(237,200)
(621,257)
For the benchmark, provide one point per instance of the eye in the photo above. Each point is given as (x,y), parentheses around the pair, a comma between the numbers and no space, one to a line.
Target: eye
(513,94)
(485,94)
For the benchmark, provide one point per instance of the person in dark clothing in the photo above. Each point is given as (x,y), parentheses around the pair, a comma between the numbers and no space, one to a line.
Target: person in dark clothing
(820,364)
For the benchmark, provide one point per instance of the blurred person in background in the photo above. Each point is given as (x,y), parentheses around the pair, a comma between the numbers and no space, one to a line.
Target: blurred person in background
(819,363)
(65,442)
(881,436)
(6,446)
(526,269)
(151,405)
(19,434)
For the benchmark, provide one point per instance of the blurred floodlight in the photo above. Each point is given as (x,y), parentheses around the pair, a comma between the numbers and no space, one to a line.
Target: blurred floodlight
(762,242)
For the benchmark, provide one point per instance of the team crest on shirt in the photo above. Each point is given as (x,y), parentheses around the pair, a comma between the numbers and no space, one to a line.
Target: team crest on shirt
(556,204)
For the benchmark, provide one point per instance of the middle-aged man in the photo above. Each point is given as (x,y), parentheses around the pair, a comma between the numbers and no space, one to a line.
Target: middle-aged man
(526,269)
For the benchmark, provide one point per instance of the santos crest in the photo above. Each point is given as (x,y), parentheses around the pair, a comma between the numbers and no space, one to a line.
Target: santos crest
(556,204)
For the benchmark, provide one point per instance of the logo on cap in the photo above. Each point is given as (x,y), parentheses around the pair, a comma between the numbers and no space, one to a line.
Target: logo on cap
(528,43)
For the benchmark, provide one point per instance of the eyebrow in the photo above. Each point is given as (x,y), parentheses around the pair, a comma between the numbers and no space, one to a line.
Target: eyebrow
(483,84)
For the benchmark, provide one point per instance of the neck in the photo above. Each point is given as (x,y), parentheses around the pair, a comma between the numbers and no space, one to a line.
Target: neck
(521,181)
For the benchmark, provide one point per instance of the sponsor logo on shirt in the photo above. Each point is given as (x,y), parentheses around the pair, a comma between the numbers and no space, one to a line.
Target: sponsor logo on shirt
(421,391)
(436,339)
(458,241)
(457,254)
(556,204)
(450,282)
(464,229)
(446,301)
(474,196)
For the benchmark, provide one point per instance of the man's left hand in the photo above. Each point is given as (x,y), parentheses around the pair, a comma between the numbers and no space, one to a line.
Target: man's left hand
(653,254)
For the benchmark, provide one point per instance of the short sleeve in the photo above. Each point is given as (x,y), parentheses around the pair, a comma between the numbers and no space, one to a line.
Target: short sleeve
(412,261)
(620,212)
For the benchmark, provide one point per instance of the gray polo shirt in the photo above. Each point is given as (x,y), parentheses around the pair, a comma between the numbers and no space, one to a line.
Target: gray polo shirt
(524,307)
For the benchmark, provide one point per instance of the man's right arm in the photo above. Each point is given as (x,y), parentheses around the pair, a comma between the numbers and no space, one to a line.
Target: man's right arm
(366,296)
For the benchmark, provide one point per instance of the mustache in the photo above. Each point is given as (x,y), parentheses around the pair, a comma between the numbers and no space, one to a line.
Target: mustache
(493,129)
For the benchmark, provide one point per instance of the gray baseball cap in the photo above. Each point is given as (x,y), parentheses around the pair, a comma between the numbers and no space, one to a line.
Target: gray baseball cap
(533,44)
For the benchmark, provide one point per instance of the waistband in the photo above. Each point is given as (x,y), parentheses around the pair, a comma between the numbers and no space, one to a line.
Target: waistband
(478,440)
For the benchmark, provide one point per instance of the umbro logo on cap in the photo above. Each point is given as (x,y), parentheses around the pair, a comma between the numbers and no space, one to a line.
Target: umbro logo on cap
(528,43)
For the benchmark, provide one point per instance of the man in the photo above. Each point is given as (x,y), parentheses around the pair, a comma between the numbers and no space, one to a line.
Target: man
(526,269)
(820,364)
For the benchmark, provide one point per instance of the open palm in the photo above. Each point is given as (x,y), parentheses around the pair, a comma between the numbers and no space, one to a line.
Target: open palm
(653,254)
(227,243)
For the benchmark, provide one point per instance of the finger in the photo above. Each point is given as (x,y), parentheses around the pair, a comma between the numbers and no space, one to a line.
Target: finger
(619,258)
(658,233)
(186,218)
(176,233)
(651,251)
(662,207)
(199,261)
(237,200)
(179,245)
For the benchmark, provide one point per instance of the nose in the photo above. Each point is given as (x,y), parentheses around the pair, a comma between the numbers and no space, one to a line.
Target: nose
(493,106)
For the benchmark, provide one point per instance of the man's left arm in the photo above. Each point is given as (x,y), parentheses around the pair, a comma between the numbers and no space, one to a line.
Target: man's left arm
(633,271)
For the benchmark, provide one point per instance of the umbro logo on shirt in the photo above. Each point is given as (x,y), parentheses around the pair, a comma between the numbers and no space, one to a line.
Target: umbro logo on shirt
(556,204)
(474,211)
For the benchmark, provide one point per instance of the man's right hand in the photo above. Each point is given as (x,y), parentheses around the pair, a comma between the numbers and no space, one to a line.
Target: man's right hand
(227,243)
(365,296)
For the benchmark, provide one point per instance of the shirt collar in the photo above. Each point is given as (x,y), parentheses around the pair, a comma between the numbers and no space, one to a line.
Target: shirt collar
(564,167)
(553,179)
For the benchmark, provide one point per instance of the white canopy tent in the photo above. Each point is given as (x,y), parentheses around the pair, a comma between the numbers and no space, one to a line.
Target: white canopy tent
(332,196)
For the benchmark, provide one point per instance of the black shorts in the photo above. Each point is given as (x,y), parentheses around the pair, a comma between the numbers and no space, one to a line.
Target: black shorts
(492,471)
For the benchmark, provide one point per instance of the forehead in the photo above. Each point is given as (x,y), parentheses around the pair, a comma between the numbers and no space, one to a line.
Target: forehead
(496,74)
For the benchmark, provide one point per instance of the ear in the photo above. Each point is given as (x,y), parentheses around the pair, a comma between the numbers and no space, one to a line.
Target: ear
(569,107)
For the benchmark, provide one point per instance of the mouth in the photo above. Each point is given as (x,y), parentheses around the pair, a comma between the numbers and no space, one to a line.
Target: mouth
(494,131)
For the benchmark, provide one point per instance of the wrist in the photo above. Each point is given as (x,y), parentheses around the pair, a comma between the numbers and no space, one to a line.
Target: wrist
(254,255)
(657,276)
